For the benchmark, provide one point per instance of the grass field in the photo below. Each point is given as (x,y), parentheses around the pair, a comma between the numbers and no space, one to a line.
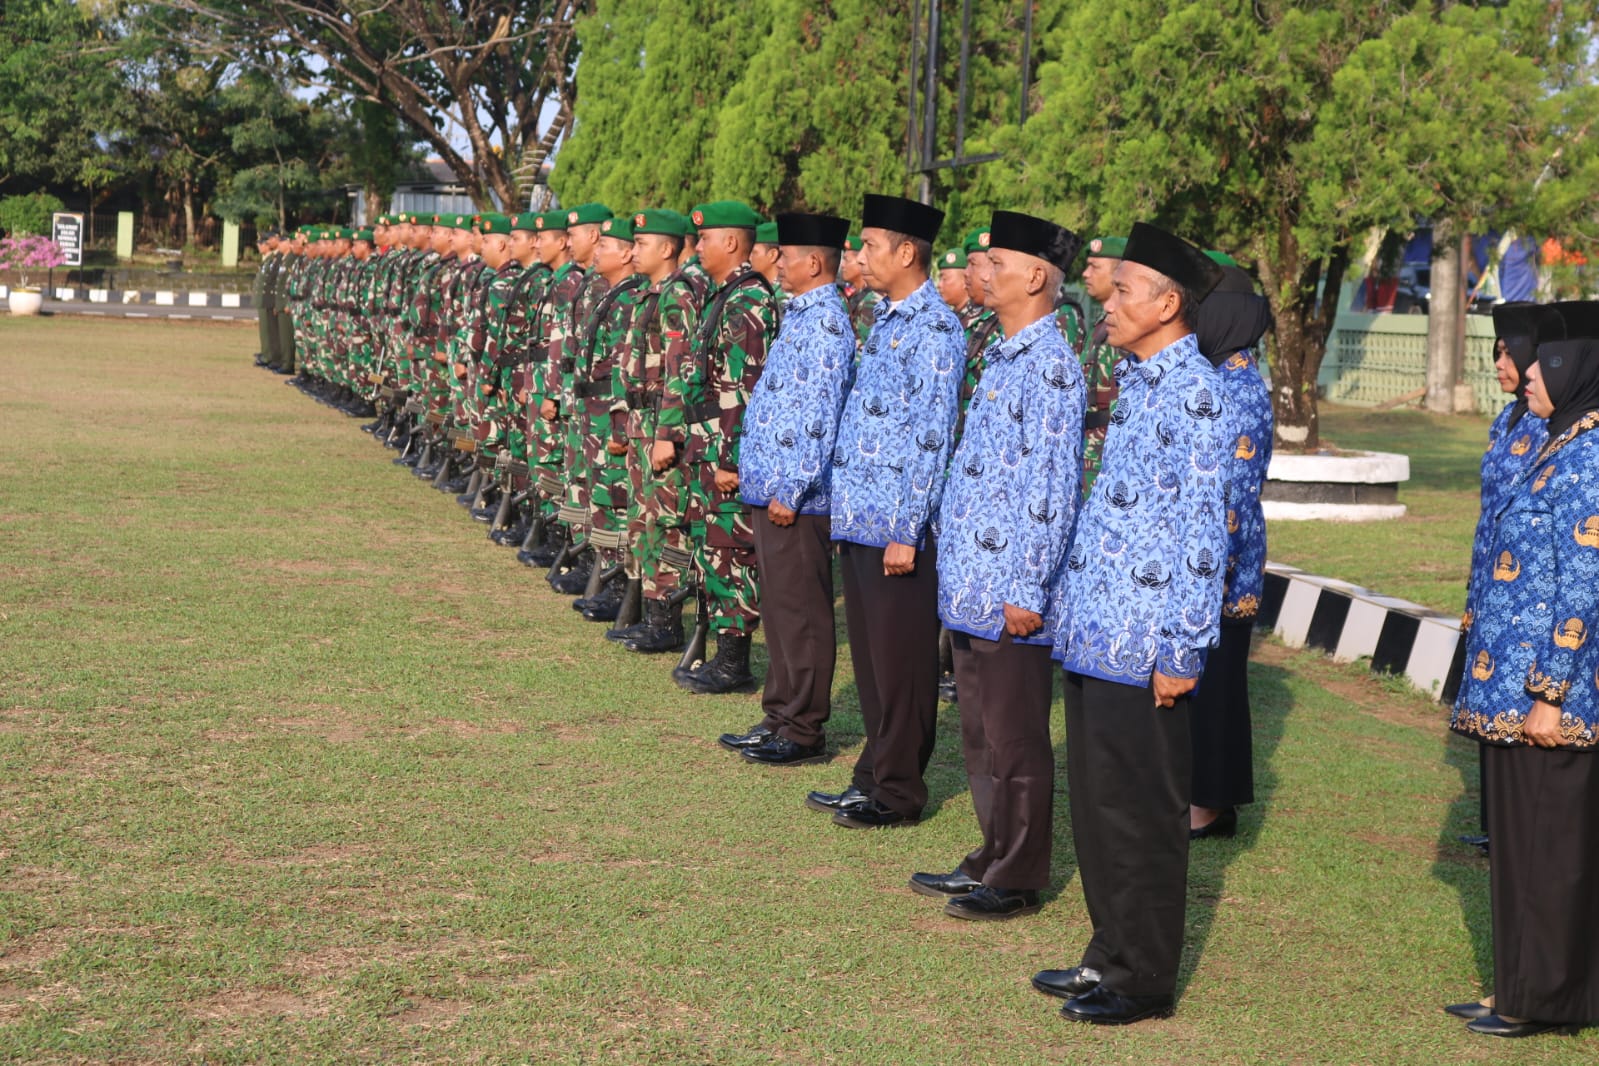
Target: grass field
(296,766)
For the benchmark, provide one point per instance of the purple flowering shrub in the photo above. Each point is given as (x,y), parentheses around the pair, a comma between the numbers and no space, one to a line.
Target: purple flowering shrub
(29,253)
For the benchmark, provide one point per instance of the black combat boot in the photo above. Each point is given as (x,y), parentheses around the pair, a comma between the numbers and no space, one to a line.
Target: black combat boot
(728,672)
(662,628)
(574,581)
(545,551)
(606,604)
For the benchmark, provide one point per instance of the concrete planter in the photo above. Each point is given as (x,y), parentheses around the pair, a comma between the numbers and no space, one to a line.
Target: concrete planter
(25,301)
(1352,487)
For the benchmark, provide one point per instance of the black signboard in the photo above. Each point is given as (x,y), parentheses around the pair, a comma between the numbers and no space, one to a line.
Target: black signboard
(66,229)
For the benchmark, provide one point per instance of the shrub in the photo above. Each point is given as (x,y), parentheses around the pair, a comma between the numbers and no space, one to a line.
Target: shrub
(29,214)
(25,254)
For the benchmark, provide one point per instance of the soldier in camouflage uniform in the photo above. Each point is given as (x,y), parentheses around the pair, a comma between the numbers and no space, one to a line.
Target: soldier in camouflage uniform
(1098,358)
(571,572)
(763,257)
(601,411)
(952,284)
(702,413)
(668,309)
(425,316)
(859,296)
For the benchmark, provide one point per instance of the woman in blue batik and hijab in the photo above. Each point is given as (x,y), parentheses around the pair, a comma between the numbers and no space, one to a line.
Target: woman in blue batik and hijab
(1514,440)
(1530,694)
(1231,322)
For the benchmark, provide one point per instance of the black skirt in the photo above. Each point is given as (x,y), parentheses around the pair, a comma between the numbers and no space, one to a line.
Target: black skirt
(1543,818)
(1224,772)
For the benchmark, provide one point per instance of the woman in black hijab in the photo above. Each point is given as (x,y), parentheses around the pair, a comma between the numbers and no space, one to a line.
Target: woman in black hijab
(1531,696)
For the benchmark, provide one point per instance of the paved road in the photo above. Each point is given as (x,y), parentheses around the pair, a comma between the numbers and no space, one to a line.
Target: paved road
(108,310)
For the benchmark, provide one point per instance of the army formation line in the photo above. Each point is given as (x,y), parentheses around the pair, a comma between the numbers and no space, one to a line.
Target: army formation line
(663,410)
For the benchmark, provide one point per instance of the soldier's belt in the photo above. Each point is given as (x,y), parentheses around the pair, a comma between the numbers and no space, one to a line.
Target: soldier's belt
(588,390)
(1096,420)
(576,517)
(608,538)
(643,399)
(550,483)
(708,411)
(676,558)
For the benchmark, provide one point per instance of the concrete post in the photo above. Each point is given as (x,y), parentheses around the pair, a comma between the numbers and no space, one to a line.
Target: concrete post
(230,244)
(124,234)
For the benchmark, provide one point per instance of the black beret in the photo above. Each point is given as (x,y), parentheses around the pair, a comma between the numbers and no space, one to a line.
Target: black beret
(1172,256)
(910,217)
(1037,237)
(818,231)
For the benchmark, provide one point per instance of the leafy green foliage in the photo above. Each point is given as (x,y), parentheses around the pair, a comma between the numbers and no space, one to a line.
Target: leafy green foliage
(29,213)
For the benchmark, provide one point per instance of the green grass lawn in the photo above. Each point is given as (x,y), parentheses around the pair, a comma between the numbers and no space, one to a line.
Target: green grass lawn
(296,766)
(1425,556)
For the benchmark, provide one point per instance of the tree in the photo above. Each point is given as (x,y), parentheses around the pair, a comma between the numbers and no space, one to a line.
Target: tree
(282,147)
(497,71)
(1236,123)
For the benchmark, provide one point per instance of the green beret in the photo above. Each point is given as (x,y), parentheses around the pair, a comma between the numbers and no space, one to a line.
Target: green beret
(954,259)
(550,220)
(523,220)
(660,220)
(588,215)
(766,233)
(725,214)
(976,241)
(1107,247)
(688,220)
(853,243)
(1221,258)
(620,228)
(361,235)
(463,222)
(493,222)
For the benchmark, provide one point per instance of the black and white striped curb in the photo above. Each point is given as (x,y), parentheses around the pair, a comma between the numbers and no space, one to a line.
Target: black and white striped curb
(149,297)
(1350,623)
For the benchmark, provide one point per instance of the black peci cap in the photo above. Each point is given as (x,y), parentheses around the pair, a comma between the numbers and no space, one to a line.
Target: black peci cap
(910,217)
(1036,237)
(818,231)
(1168,254)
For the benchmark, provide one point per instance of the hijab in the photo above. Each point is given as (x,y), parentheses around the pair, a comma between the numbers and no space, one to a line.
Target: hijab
(1516,325)
(1232,317)
(1570,367)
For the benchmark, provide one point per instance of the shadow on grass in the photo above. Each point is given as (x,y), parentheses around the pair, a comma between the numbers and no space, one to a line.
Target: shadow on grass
(1456,864)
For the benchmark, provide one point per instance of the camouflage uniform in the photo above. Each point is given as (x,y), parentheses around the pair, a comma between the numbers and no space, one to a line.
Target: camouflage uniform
(982,329)
(1099,361)
(512,305)
(549,326)
(560,383)
(602,412)
(658,340)
(862,304)
(701,411)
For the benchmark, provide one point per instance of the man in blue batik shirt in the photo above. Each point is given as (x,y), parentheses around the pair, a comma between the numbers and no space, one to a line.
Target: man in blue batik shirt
(1003,529)
(1141,604)
(785,473)
(888,475)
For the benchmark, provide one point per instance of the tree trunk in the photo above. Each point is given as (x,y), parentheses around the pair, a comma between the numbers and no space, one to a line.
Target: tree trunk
(1304,303)
(1444,362)
(188,211)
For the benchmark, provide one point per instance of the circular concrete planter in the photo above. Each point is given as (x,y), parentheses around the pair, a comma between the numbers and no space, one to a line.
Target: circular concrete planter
(25,301)
(1349,487)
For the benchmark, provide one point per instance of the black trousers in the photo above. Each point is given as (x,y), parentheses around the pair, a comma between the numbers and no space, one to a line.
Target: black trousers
(1543,872)
(1224,772)
(1010,766)
(1128,768)
(893,644)
(796,564)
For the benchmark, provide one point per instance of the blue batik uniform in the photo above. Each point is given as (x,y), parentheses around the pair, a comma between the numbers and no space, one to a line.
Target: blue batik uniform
(898,424)
(1142,588)
(1013,488)
(792,417)
(1510,452)
(1532,637)
(1250,423)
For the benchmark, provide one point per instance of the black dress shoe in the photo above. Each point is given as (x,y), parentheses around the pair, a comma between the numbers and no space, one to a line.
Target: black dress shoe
(1066,984)
(985,903)
(832,802)
(781,751)
(872,815)
(1102,1006)
(1469,1011)
(739,741)
(1493,1025)
(1224,825)
(939,886)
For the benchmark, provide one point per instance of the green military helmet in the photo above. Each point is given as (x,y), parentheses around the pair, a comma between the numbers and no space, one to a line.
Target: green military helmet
(620,228)
(766,233)
(1107,247)
(660,220)
(976,241)
(954,259)
(588,215)
(493,222)
(725,214)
